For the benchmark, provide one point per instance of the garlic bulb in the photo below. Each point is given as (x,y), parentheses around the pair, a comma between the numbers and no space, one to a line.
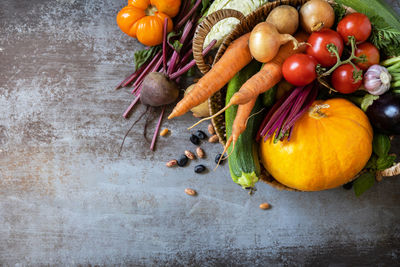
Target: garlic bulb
(377,80)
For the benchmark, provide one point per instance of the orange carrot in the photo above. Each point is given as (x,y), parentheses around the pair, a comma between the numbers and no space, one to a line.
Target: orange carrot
(239,124)
(269,75)
(236,56)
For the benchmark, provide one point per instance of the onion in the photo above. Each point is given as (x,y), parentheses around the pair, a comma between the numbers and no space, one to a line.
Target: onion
(285,18)
(377,80)
(316,15)
(265,41)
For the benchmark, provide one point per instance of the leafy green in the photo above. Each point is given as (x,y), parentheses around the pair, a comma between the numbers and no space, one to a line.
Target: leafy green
(381,145)
(371,164)
(177,45)
(142,56)
(385,162)
(363,183)
(205,4)
(191,72)
(385,37)
(340,12)
(367,101)
(268,98)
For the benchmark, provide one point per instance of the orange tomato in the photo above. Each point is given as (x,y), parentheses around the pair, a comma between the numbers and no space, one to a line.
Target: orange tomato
(144,19)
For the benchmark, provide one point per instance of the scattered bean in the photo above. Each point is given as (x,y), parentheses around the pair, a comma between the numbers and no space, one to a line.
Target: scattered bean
(182,161)
(164,132)
(200,152)
(190,192)
(199,168)
(189,154)
(171,163)
(217,157)
(211,129)
(201,135)
(213,139)
(194,139)
(264,206)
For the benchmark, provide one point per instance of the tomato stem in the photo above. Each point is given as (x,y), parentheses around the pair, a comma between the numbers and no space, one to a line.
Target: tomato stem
(333,49)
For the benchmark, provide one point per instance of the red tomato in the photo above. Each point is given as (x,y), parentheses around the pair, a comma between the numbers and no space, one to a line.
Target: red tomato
(355,24)
(371,53)
(319,40)
(342,79)
(299,69)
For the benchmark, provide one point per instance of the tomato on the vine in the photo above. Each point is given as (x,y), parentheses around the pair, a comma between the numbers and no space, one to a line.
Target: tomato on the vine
(299,69)
(343,79)
(355,24)
(318,46)
(371,54)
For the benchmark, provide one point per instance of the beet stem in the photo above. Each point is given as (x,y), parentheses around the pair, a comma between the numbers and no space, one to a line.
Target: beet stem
(128,110)
(153,141)
(148,67)
(164,46)
(188,15)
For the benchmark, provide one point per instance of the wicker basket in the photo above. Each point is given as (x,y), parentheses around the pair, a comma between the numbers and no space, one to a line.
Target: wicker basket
(246,24)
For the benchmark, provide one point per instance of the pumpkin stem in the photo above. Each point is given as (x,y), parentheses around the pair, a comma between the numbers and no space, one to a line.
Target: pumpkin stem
(151,10)
(316,113)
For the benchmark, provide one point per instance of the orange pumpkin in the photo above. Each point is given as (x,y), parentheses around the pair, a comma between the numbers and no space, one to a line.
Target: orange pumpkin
(144,19)
(329,145)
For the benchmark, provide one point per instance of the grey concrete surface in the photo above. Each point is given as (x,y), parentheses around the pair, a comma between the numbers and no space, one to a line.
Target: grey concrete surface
(67,198)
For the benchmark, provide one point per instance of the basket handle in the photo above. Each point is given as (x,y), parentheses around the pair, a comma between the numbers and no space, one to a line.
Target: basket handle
(204,28)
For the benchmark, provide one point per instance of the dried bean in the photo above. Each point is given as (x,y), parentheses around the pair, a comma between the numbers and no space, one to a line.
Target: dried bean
(171,163)
(199,168)
(264,206)
(217,157)
(211,129)
(200,152)
(194,139)
(190,192)
(213,139)
(189,154)
(182,161)
(201,135)
(164,132)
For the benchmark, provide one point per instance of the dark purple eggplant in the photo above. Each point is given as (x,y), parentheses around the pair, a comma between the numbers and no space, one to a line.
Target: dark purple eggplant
(384,113)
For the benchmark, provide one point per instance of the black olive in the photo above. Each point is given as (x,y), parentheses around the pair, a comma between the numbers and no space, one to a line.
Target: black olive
(183,160)
(217,159)
(199,168)
(348,186)
(194,139)
(201,135)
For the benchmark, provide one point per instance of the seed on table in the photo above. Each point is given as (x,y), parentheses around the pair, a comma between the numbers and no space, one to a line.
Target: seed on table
(200,152)
(211,129)
(264,206)
(194,139)
(189,154)
(190,192)
(182,161)
(164,132)
(171,163)
(201,135)
(199,168)
(217,157)
(213,139)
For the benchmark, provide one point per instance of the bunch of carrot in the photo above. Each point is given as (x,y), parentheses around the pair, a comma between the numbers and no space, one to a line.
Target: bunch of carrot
(234,59)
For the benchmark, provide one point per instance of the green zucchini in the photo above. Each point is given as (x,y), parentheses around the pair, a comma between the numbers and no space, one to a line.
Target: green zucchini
(243,161)
(374,8)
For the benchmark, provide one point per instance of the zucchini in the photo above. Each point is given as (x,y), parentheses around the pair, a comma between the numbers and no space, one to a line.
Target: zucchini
(243,161)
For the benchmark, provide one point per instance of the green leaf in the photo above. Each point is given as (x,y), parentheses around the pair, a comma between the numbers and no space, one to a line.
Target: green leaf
(381,144)
(191,72)
(142,56)
(340,12)
(363,183)
(367,101)
(371,164)
(385,162)
(385,37)
(177,45)
(205,4)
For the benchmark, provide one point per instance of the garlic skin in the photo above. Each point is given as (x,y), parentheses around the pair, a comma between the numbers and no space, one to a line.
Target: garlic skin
(377,80)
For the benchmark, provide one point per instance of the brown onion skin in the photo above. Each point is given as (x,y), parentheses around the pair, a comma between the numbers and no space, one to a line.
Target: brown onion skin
(316,15)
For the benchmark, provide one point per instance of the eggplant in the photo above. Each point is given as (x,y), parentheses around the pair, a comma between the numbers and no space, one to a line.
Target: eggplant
(384,113)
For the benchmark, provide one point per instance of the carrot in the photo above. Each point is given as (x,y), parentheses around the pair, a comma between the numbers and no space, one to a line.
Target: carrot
(239,125)
(236,56)
(269,75)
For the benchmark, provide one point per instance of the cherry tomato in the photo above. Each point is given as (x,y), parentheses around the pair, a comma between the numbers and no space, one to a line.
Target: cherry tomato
(299,69)
(370,52)
(343,81)
(318,42)
(355,24)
